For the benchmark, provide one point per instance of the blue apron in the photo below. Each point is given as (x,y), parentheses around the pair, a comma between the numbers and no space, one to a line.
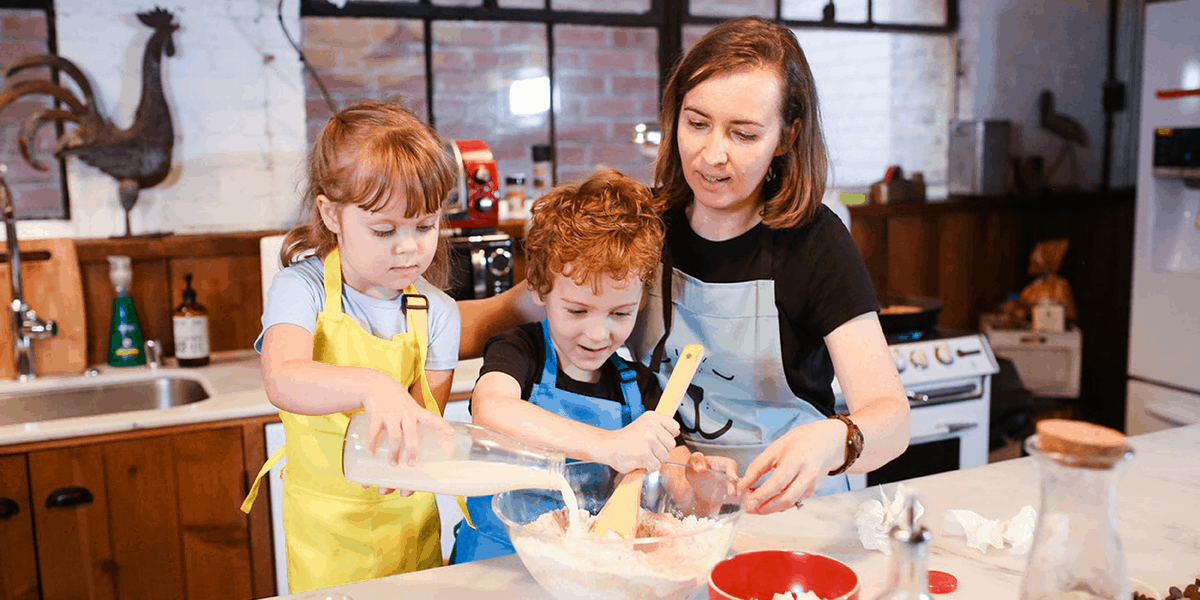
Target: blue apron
(739,401)
(489,539)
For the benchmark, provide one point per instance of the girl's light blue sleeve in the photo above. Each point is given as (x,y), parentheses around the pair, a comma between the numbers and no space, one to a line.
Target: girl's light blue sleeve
(292,298)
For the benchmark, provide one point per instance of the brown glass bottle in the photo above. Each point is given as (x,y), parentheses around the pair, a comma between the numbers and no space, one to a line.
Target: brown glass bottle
(191,329)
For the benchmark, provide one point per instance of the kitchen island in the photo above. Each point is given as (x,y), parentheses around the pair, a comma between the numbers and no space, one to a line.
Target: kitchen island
(1156,517)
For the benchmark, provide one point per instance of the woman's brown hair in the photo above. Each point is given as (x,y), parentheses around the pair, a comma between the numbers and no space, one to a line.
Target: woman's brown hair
(794,193)
(607,225)
(366,155)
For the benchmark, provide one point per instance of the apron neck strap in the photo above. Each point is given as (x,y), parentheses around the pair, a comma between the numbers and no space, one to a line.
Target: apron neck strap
(333,282)
(550,365)
(630,392)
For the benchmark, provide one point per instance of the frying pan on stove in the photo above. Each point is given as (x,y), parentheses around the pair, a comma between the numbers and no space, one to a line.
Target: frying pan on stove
(904,314)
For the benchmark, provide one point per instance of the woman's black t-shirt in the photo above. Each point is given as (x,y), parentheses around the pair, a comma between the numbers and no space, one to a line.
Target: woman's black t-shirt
(820,280)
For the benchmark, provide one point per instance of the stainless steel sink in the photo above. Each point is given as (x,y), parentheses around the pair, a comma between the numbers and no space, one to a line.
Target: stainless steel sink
(46,400)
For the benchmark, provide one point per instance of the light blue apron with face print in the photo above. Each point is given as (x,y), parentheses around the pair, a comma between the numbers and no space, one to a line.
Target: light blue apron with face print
(489,538)
(739,400)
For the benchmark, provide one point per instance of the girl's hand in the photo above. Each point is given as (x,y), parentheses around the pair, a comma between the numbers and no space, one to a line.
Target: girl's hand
(642,444)
(801,459)
(396,412)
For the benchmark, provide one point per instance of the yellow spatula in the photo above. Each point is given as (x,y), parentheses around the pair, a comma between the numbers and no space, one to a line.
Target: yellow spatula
(620,513)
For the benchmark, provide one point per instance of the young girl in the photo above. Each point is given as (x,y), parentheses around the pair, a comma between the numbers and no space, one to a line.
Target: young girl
(360,326)
(592,249)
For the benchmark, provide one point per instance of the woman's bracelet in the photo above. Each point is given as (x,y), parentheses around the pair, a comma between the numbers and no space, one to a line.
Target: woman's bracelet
(854,443)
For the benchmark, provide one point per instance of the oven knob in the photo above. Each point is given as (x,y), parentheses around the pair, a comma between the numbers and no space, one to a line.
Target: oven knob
(898,358)
(482,176)
(484,204)
(500,262)
(919,359)
(942,352)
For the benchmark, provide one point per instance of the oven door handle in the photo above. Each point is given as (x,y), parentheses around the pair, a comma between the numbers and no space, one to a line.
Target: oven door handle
(941,432)
(946,394)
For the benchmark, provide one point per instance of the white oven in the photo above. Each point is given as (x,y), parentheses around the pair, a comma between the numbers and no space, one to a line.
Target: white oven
(947,376)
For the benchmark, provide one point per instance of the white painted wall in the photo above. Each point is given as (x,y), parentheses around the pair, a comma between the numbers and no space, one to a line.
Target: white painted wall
(236,93)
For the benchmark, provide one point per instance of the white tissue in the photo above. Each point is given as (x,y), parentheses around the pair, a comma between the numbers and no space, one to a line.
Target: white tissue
(876,518)
(982,534)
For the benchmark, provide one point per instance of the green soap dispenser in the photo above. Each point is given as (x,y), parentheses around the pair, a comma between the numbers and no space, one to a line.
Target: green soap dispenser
(124,336)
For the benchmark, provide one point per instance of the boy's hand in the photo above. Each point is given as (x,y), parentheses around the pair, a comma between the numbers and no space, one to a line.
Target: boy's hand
(642,444)
(399,414)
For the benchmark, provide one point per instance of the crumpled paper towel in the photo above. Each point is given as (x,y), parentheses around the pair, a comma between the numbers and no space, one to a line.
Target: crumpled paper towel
(982,533)
(876,518)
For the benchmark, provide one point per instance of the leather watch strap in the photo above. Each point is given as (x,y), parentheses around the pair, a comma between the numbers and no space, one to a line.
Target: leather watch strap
(854,443)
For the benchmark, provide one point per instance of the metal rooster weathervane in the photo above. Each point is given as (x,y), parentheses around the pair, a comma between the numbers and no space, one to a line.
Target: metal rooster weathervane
(137,157)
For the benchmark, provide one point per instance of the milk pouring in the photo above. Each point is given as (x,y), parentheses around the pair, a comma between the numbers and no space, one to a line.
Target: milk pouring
(472,461)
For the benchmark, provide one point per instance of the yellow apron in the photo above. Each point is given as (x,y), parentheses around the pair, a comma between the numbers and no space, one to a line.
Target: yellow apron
(337,531)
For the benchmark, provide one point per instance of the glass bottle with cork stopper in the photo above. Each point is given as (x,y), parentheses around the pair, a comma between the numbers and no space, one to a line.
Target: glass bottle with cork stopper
(1076,552)
(190,323)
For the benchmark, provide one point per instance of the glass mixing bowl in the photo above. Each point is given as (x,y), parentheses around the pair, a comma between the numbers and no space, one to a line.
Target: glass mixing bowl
(693,516)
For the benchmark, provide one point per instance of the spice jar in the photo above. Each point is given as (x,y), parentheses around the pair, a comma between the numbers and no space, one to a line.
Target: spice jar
(1076,552)
(907,574)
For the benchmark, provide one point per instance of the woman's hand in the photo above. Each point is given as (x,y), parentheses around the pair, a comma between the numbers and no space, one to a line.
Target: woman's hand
(642,444)
(801,458)
(698,492)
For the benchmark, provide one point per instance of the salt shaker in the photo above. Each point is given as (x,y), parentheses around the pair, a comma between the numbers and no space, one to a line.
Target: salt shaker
(1076,552)
(908,577)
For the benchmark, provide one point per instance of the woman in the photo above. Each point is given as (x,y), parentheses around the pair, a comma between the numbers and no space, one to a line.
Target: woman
(760,273)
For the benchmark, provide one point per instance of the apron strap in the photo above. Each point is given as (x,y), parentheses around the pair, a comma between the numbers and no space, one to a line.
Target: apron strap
(258,479)
(333,282)
(416,309)
(550,364)
(629,387)
(668,303)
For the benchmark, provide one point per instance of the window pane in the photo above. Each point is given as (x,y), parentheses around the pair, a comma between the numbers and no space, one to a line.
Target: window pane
(491,82)
(733,8)
(357,59)
(910,12)
(610,6)
(457,3)
(844,11)
(523,3)
(36,194)
(607,80)
(892,108)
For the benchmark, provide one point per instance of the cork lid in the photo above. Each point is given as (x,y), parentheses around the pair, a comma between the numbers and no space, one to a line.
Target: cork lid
(1080,439)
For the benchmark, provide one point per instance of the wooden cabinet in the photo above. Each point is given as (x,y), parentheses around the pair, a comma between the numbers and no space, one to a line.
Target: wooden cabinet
(139,516)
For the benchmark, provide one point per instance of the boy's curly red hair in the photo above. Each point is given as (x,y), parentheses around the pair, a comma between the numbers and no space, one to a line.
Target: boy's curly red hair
(607,225)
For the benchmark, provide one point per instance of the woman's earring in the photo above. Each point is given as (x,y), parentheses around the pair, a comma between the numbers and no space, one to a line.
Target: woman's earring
(770,172)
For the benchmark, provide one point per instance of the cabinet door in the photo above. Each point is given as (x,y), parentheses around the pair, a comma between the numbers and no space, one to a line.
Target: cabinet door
(18,567)
(71,511)
(209,475)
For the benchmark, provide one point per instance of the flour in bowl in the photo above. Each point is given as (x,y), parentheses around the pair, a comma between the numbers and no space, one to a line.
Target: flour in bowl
(663,562)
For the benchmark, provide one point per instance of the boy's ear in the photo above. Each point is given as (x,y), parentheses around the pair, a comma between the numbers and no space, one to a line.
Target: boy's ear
(537,298)
(330,214)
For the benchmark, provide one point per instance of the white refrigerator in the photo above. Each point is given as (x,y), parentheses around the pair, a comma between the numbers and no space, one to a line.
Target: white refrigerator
(1164,341)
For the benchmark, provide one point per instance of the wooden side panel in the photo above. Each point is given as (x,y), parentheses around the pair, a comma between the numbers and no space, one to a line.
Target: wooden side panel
(216,545)
(18,559)
(912,255)
(234,300)
(958,235)
(870,234)
(262,544)
(144,518)
(73,545)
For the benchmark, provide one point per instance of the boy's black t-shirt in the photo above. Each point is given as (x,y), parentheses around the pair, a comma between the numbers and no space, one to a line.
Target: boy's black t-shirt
(521,353)
(821,281)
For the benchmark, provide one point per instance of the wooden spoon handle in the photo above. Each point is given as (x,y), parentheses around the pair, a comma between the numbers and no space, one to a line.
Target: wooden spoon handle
(681,378)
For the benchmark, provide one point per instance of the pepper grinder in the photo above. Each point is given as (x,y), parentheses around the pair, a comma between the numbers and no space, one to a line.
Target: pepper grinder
(907,575)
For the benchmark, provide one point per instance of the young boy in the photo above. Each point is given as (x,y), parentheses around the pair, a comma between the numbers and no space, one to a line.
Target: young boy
(558,384)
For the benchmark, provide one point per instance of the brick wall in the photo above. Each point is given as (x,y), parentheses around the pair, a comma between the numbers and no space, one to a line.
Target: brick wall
(36,194)
(606,82)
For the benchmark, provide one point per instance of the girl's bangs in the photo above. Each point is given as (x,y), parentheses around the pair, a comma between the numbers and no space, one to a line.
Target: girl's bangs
(377,176)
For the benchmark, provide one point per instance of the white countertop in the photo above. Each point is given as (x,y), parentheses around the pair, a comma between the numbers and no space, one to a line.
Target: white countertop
(1156,518)
(233,379)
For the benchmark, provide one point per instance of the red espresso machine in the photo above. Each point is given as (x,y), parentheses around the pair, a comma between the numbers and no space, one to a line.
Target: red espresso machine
(481,256)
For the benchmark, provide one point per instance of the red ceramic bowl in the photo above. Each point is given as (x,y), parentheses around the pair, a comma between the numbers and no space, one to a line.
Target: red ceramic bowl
(762,574)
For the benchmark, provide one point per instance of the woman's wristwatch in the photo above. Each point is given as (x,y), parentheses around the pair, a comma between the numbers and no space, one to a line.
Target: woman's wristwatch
(854,443)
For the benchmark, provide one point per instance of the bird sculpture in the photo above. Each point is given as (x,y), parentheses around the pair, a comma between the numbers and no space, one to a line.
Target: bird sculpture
(138,157)
(1068,129)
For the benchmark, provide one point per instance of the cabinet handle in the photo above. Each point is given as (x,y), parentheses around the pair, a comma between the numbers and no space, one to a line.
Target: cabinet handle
(68,496)
(8,508)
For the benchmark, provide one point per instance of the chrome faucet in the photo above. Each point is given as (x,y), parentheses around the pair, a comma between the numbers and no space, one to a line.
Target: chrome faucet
(26,326)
